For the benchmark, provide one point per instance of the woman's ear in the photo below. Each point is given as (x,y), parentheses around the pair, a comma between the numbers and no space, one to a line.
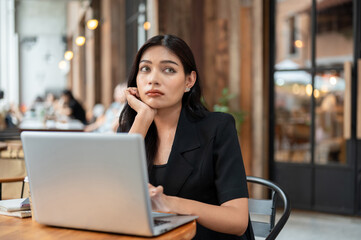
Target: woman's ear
(190,80)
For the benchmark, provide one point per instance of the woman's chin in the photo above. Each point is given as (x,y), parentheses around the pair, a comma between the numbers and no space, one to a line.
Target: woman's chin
(160,105)
(153,104)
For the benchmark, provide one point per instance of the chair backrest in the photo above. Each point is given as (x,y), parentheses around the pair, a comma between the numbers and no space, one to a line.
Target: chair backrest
(9,134)
(8,146)
(266,208)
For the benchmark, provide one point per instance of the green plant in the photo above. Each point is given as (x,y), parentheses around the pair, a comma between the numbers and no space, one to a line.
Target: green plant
(223,106)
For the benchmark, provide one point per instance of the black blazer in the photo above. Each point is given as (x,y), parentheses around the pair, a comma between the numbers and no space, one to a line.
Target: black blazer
(205,164)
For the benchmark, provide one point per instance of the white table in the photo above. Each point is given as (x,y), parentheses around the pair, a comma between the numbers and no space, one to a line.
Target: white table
(72,125)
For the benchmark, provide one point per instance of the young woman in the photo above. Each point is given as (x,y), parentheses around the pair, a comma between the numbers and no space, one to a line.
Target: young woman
(71,107)
(194,159)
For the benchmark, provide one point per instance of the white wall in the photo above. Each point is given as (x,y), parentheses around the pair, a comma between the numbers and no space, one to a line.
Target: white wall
(9,79)
(41,26)
(39,67)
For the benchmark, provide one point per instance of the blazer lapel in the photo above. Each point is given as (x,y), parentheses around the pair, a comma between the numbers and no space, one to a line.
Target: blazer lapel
(178,167)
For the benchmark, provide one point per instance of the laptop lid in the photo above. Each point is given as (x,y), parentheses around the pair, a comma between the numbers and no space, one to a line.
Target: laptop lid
(89,181)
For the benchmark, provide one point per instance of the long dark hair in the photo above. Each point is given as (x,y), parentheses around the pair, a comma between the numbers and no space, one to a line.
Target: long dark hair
(191,100)
(68,93)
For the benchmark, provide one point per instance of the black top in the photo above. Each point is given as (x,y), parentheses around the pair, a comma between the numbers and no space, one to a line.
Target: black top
(77,111)
(156,175)
(205,164)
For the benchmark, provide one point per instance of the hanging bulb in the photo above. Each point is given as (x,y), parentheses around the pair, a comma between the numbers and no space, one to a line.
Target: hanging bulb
(146,26)
(80,40)
(92,24)
(68,55)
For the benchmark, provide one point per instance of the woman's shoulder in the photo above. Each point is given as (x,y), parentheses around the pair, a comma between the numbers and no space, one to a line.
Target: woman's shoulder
(207,118)
(218,117)
(216,125)
(214,120)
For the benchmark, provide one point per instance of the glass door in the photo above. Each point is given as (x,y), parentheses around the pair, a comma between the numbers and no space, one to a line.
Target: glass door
(312,74)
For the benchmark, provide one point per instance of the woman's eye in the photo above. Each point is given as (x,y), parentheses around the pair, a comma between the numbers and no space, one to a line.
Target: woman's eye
(169,70)
(144,69)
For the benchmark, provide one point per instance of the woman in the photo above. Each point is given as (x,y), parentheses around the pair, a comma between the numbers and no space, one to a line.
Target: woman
(194,159)
(71,107)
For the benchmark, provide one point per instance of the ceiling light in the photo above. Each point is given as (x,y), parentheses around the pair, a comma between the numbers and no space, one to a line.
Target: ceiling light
(92,24)
(68,55)
(146,26)
(62,65)
(80,40)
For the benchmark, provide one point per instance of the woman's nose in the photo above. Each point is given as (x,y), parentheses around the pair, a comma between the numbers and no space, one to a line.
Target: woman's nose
(153,77)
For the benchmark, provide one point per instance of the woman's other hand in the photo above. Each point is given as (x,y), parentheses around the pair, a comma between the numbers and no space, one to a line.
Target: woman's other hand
(158,198)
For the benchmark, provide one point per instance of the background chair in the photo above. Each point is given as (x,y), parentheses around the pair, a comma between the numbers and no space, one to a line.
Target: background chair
(12,149)
(266,208)
(10,180)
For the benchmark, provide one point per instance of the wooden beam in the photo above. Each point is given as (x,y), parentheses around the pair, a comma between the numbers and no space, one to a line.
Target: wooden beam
(246,85)
(106,56)
(209,78)
(113,69)
(89,64)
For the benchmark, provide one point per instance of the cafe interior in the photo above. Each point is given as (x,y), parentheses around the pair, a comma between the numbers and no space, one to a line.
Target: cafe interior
(289,71)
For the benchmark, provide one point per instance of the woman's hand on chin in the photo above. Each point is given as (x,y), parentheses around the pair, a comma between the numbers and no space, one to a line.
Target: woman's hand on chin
(145,114)
(140,107)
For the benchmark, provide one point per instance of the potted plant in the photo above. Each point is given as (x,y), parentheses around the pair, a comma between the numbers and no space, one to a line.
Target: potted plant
(223,106)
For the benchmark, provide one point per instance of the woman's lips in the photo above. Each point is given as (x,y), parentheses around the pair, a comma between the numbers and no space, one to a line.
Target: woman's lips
(154,93)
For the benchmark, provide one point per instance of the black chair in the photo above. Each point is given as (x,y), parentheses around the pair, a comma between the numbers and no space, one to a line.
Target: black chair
(10,134)
(266,208)
(11,180)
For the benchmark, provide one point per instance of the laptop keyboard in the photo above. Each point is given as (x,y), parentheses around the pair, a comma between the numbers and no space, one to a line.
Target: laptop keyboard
(158,222)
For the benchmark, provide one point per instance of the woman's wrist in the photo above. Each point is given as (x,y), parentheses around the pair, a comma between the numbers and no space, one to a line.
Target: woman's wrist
(141,123)
(178,205)
(146,116)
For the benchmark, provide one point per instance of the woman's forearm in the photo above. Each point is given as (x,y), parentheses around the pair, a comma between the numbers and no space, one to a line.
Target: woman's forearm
(141,124)
(145,114)
(231,217)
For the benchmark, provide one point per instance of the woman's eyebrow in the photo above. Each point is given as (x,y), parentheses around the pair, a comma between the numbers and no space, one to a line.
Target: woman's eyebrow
(169,61)
(146,61)
(163,62)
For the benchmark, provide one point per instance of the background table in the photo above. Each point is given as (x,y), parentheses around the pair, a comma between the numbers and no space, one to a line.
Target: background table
(72,125)
(26,229)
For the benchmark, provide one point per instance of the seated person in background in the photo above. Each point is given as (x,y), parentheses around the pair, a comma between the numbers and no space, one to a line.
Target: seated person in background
(108,122)
(71,107)
(194,159)
(51,105)
(3,110)
(14,116)
(10,114)
(93,114)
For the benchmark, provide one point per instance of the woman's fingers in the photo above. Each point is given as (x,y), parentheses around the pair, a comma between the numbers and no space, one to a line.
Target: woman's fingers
(155,191)
(133,100)
(159,189)
(151,190)
(158,198)
(133,91)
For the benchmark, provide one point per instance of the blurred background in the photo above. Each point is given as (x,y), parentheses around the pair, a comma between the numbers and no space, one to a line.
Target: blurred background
(288,70)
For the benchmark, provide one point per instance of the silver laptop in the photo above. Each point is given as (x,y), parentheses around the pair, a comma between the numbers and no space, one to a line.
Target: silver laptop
(93,181)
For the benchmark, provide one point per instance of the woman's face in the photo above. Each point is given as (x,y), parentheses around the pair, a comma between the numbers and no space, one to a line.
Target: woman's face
(161,79)
(64,98)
